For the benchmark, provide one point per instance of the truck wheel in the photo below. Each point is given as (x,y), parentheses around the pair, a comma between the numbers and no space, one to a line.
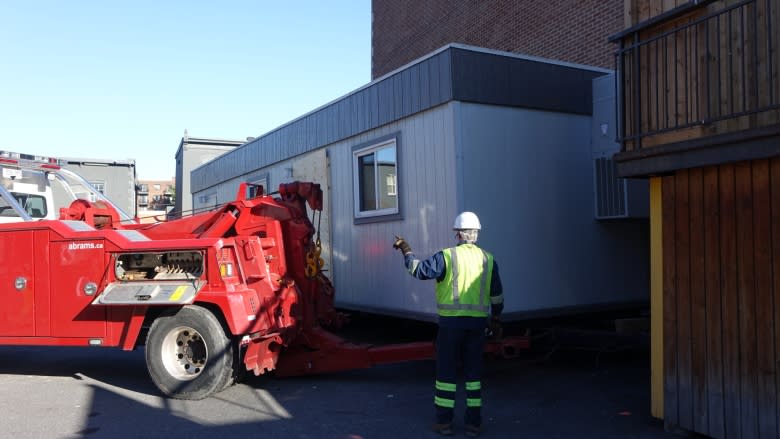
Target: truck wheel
(188,354)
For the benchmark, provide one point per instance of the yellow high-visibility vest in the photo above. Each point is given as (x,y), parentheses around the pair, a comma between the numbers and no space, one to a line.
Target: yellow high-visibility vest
(465,289)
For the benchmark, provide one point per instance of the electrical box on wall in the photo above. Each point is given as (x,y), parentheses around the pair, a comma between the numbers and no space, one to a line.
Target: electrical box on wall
(615,197)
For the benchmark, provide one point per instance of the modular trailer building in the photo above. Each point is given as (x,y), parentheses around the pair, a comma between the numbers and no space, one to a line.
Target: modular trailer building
(509,137)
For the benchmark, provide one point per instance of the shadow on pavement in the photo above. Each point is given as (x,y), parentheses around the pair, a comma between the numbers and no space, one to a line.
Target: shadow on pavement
(553,394)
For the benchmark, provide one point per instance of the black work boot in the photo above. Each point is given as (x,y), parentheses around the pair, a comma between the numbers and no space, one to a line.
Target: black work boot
(443,429)
(472,430)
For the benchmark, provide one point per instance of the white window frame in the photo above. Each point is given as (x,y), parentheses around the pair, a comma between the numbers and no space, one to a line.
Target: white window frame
(392,184)
(373,148)
(97,183)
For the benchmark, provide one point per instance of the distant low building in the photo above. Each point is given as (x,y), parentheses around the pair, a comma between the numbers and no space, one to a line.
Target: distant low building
(193,152)
(113,178)
(155,197)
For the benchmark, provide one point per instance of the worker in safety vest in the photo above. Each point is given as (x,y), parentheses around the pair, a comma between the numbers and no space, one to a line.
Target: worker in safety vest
(468,288)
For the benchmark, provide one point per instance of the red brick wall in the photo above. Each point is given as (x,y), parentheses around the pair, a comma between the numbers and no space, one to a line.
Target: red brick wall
(566,30)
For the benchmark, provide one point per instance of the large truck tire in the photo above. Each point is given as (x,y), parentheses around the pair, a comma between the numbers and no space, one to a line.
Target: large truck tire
(188,354)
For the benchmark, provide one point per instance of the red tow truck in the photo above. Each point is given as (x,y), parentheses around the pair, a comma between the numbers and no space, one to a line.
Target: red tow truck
(210,295)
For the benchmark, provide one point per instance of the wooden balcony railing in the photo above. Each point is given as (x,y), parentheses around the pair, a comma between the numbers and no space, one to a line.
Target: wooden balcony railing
(713,70)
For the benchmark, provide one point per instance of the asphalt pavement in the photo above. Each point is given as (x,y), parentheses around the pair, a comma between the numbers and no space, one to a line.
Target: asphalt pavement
(106,393)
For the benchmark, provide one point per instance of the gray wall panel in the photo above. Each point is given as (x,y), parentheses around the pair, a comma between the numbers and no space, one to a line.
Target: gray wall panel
(384,96)
(180,182)
(344,117)
(348,117)
(529,176)
(433,80)
(338,119)
(373,107)
(362,111)
(445,79)
(425,84)
(398,96)
(193,155)
(414,88)
(333,120)
(356,104)
(360,250)
(319,126)
(353,118)
(299,139)
(406,92)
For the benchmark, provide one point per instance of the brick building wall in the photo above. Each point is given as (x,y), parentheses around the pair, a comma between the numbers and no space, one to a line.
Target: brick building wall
(151,194)
(567,30)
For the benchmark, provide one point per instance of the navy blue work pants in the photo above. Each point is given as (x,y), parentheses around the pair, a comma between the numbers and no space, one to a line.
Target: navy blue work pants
(459,346)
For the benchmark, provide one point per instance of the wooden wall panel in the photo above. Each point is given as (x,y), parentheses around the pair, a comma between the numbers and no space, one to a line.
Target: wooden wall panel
(765,337)
(774,191)
(683,287)
(721,268)
(713,301)
(671,415)
(728,290)
(698,305)
(747,300)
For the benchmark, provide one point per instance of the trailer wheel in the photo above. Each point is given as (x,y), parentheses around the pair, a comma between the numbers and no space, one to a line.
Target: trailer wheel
(188,354)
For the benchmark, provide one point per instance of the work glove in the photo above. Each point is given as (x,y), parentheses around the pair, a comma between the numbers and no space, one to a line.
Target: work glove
(401,244)
(494,329)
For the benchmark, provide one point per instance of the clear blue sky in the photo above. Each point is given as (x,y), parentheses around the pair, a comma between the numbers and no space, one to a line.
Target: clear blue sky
(122,80)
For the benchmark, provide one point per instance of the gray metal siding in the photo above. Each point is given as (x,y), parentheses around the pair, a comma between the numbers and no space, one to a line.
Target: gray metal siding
(528,175)
(180,182)
(367,272)
(194,155)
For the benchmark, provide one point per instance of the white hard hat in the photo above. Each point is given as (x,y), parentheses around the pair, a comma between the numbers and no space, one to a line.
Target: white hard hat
(467,221)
